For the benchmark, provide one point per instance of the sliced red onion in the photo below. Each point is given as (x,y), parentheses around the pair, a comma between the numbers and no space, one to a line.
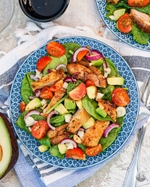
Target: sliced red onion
(74,57)
(68,140)
(31,113)
(94,55)
(49,71)
(73,77)
(37,92)
(68,79)
(32,97)
(33,77)
(109,128)
(49,117)
(61,66)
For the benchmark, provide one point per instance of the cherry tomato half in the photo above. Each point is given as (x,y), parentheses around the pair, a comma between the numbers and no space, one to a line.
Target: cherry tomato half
(57,86)
(89,83)
(138,3)
(93,151)
(75,153)
(22,106)
(78,92)
(42,62)
(120,97)
(46,93)
(55,49)
(124,23)
(39,129)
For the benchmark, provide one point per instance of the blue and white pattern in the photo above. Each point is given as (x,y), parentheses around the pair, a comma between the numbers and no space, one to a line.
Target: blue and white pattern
(127,38)
(129,122)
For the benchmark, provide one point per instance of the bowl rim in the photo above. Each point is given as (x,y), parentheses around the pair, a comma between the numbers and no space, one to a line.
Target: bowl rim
(45,19)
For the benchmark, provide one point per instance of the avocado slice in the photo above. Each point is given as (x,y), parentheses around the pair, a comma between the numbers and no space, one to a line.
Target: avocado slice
(69,104)
(8,147)
(35,103)
(115,80)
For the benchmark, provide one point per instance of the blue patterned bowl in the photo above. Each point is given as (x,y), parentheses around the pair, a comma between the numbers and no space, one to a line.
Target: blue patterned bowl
(129,122)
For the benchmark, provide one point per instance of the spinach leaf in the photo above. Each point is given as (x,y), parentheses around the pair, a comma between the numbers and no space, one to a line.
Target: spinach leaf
(70,46)
(145,9)
(45,141)
(37,117)
(21,123)
(54,151)
(114,70)
(139,36)
(106,142)
(107,92)
(83,147)
(57,119)
(26,90)
(72,85)
(90,106)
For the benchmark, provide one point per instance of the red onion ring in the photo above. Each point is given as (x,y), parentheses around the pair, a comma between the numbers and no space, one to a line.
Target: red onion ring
(48,119)
(109,128)
(74,57)
(94,55)
(68,140)
(61,66)
(31,113)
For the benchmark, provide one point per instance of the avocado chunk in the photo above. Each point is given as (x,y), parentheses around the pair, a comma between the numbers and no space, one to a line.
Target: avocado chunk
(35,103)
(101,112)
(61,109)
(115,80)
(8,147)
(118,13)
(89,123)
(69,104)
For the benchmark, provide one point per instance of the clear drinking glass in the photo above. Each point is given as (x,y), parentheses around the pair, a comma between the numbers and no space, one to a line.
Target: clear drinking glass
(6,14)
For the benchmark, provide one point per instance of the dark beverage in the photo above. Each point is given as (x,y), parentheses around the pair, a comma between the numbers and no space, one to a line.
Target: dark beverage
(47,8)
(43,10)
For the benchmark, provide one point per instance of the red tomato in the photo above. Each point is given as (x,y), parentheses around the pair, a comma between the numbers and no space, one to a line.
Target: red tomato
(57,86)
(46,93)
(138,3)
(81,54)
(78,93)
(93,151)
(55,49)
(22,106)
(124,23)
(89,83)
(120,97)
(75,153)
(39,129)
(42,62)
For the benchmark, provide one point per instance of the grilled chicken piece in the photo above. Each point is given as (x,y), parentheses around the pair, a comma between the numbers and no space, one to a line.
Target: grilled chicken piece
(142,20)
(78,119)
(93,135)
(59,138)
(73,68)
(57,96)
(97,72)
(109,107)
(58,131)
(48,79)
(87,72)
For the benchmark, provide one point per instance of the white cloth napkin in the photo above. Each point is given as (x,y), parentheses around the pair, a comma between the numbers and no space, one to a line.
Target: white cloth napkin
(31,169)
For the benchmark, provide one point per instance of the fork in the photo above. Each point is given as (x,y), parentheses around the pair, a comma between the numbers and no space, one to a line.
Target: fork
(131,175)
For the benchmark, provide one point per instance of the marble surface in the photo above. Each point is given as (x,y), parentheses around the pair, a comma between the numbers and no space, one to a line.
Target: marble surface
(112,174)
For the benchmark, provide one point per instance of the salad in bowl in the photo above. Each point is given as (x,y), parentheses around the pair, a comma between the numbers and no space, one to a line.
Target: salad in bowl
(74,103)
